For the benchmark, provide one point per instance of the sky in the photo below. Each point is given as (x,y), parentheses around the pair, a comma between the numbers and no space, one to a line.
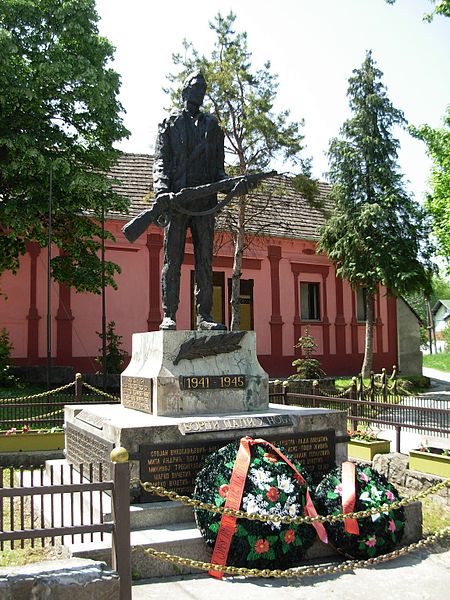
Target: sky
(313,46)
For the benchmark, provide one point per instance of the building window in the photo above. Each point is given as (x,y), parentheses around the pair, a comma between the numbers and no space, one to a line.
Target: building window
(361,304)
(310,301)
(246,304)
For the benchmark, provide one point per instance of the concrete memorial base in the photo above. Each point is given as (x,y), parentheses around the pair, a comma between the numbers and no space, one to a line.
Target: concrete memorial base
(184,395)
(173,373)
(170,451)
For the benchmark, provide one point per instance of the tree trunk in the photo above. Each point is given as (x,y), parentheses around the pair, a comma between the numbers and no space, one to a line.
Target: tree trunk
(237,269)
(368,348)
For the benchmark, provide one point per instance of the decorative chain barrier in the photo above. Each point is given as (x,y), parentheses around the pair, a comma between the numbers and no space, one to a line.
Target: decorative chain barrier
(100,392)
(342,394)
(41,395)
(348,565)
(239,514)
(39,417)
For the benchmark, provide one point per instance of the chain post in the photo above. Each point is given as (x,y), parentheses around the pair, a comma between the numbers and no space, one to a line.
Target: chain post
(315,386)
(384,384)
(394,378)
(285,386)
(78,387)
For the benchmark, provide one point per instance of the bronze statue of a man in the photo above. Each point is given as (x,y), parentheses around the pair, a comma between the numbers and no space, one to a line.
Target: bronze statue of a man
(189,151)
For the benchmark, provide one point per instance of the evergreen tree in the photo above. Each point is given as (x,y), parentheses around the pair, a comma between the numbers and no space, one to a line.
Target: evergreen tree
(243,102)
(377,234)
(59,118)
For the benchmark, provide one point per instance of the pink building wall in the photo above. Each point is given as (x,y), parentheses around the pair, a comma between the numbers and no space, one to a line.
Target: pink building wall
(276,266)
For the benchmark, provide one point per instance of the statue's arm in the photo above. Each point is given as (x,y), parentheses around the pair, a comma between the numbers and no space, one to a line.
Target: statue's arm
(162,161)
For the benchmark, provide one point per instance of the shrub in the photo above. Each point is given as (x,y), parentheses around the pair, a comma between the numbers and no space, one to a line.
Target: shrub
(115,356)
(6,377)
(307,367)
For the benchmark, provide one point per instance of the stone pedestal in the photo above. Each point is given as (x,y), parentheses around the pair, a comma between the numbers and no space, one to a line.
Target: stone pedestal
(175,373)
(184,395)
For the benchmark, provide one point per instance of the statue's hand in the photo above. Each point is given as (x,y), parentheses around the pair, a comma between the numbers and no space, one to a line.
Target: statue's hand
(242,188)
(165,199)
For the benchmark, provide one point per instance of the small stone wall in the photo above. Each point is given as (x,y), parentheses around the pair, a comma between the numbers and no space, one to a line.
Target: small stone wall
(77,578)
(394,466)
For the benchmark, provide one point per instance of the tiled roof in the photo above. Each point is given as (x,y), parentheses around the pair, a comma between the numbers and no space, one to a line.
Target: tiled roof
(276,210)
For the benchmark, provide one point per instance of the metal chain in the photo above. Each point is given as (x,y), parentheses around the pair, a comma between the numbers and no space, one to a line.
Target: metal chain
(348,565)
(39,417)
(41,395)
(328,395)
(239,514)
(100,392)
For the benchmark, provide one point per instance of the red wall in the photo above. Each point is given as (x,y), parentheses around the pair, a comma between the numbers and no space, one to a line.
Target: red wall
(277,267)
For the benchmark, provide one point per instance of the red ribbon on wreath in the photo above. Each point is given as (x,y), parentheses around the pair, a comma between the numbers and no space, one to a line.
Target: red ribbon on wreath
(349,496)
(238,478)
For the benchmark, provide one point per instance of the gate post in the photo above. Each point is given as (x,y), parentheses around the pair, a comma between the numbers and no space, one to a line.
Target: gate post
(121,550)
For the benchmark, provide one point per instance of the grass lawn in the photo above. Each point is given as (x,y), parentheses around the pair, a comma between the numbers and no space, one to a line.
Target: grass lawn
(439,361)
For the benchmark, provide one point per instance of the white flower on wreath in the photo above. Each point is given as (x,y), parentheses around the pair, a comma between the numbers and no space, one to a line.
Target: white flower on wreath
(365,497)
(285,484)
(376,493)
(254,504)
(275,510)
(260,478)
(291,509)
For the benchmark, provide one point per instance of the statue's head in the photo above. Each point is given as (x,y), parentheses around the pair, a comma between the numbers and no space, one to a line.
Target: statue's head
(194,88)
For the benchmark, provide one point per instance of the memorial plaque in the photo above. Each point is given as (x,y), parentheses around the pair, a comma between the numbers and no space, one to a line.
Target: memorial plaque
(91,419)
(247,422)
(85,448)
(176,467)
(137,393)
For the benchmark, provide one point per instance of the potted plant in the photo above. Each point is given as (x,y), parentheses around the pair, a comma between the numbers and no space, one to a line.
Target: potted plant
(428,459)
(364,444)
(28,440)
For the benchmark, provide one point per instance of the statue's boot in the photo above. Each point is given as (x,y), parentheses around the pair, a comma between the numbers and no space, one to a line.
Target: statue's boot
(207,323)
(168,324)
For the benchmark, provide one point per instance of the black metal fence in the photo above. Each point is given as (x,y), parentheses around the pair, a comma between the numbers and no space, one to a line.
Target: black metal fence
(46,409)
(419,414)
(43,506)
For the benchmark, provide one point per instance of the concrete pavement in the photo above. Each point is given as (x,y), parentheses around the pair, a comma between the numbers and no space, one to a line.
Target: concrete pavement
(439,376)
(421,575)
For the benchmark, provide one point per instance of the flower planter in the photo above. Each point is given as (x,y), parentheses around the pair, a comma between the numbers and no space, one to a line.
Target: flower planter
(366,450)
(27,442)
(432,462)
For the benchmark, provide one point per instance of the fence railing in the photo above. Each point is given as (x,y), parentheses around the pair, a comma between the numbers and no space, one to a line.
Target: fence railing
(48,506)
(411,413)
(46,409)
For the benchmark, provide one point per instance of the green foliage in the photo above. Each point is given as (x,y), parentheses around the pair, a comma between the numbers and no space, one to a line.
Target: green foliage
(377,233)
(442,8)
(6,377)
(439,361)
(58,112)
(307,367)
(446,336)
(438,200)
(115,356)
